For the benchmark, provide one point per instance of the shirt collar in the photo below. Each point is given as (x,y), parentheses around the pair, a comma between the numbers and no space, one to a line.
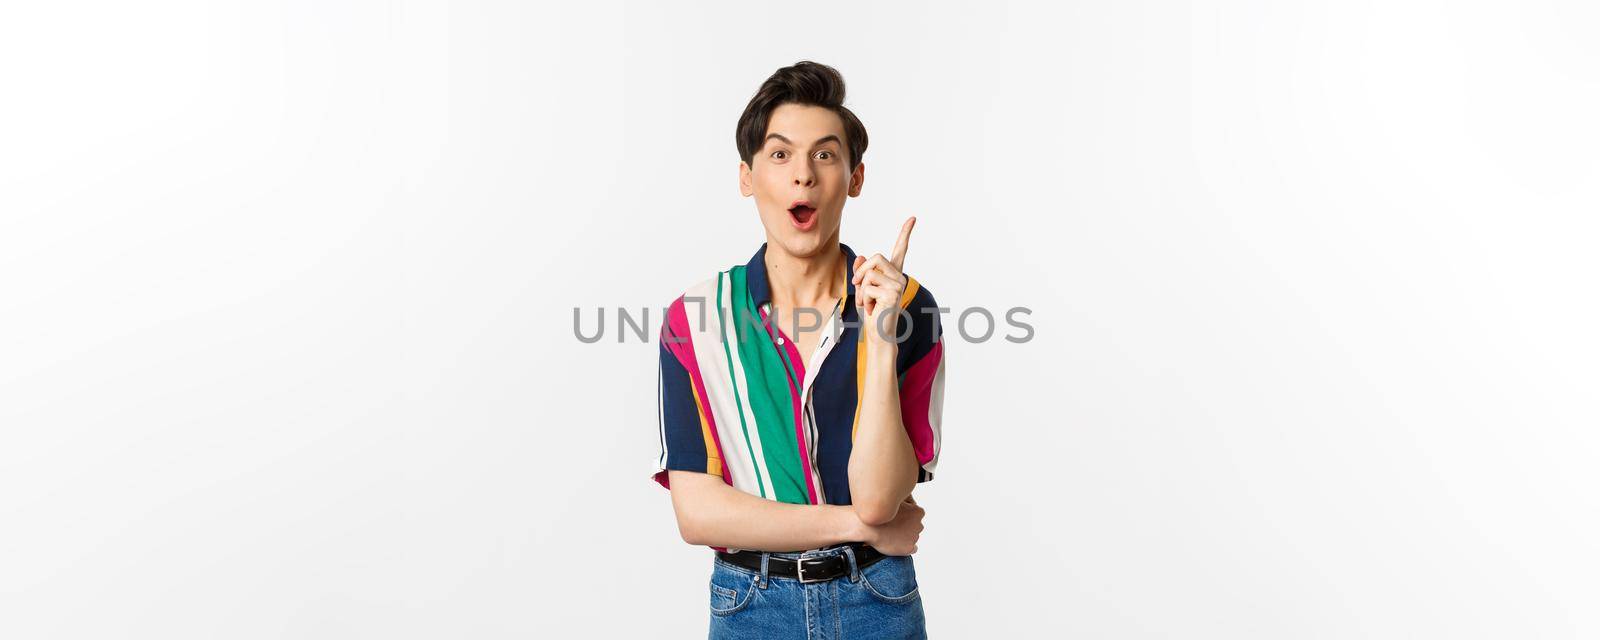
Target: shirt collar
(755,275)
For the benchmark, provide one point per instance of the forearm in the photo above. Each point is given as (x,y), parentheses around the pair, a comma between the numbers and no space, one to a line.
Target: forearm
(883,465)
(715,514)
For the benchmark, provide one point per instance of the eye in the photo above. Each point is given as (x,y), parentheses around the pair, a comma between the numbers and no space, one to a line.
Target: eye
(779,154)
(824,155)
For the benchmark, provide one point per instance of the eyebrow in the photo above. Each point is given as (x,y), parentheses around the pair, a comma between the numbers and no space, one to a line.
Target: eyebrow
(818,143)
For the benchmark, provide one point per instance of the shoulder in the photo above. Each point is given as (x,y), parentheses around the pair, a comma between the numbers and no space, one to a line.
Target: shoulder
(704,289)
(919,302)
(923,315)
(917,297)
(687,311)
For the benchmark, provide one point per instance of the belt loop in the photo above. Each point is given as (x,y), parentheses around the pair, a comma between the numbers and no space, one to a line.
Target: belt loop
(764,575)
(855,571)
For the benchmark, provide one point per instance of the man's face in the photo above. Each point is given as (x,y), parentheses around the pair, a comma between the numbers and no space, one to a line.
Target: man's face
(803,160)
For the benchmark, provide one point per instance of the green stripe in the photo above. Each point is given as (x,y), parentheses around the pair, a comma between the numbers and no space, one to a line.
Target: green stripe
(788,367)
(769,393)
(722,326)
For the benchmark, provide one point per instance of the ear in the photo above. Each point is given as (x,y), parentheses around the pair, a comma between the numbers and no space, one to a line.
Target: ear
(857,176)
(746,181)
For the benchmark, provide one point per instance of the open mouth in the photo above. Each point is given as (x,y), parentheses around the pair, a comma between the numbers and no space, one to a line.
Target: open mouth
(802,213)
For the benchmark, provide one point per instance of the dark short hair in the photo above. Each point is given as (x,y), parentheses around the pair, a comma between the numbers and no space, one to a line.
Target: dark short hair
(805,83)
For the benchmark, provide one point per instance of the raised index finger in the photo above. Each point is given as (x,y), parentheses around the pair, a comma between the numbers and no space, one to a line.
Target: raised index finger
(898,256)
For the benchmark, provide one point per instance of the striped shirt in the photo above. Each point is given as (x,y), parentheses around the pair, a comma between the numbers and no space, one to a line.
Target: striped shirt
(736,399)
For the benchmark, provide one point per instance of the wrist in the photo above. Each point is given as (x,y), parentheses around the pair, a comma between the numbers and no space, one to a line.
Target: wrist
(847,526)
(882,352)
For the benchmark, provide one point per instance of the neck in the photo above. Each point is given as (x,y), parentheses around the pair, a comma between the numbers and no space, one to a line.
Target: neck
(805,281)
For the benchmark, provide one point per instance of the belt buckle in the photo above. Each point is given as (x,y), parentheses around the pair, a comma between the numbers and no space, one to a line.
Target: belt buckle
(800,571)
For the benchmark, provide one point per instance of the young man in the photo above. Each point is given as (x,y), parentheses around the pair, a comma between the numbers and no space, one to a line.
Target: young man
(800,393)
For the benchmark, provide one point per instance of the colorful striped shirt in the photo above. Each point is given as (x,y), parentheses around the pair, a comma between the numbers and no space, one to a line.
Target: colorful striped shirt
(736,399)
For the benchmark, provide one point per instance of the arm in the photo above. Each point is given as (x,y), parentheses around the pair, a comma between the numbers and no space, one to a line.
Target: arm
(712,513)
(883,466)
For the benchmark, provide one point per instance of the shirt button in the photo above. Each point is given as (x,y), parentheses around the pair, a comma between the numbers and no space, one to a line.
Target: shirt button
(780,340)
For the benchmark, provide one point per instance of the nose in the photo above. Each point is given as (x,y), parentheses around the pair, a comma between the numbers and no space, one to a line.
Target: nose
(803,175)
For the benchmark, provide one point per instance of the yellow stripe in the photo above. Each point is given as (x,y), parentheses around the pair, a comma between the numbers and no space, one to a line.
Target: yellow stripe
(713,461)
(861,376)
(861,354)
(911,292)
(861,367)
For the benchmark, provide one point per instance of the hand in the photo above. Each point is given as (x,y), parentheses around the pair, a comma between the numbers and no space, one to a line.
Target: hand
(879,284)
(899,536)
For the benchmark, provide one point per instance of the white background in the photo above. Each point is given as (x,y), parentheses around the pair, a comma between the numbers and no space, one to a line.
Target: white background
(286,296)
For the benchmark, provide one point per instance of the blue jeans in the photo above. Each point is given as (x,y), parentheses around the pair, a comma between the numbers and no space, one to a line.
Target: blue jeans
(879,601)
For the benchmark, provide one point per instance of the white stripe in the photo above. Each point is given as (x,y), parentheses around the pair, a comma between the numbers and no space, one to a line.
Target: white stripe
(811,448)
(936,407)
(730,327)
(661,414)
(714,375)
(813,366)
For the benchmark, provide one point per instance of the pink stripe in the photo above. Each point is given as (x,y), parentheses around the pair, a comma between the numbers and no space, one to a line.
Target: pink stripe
(682,347)
(793,353)
(915,394)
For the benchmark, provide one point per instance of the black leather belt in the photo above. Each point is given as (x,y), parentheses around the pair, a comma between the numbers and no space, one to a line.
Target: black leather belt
(818,569)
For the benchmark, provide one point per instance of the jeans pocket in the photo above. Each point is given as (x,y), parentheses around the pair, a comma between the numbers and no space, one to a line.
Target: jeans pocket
(731,589)
(892,580)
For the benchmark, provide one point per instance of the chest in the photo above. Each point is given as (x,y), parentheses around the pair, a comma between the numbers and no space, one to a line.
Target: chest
(803,330)
(779,402)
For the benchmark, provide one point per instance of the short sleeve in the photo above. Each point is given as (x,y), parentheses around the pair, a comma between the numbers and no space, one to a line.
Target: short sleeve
(686,441)
(920,365)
